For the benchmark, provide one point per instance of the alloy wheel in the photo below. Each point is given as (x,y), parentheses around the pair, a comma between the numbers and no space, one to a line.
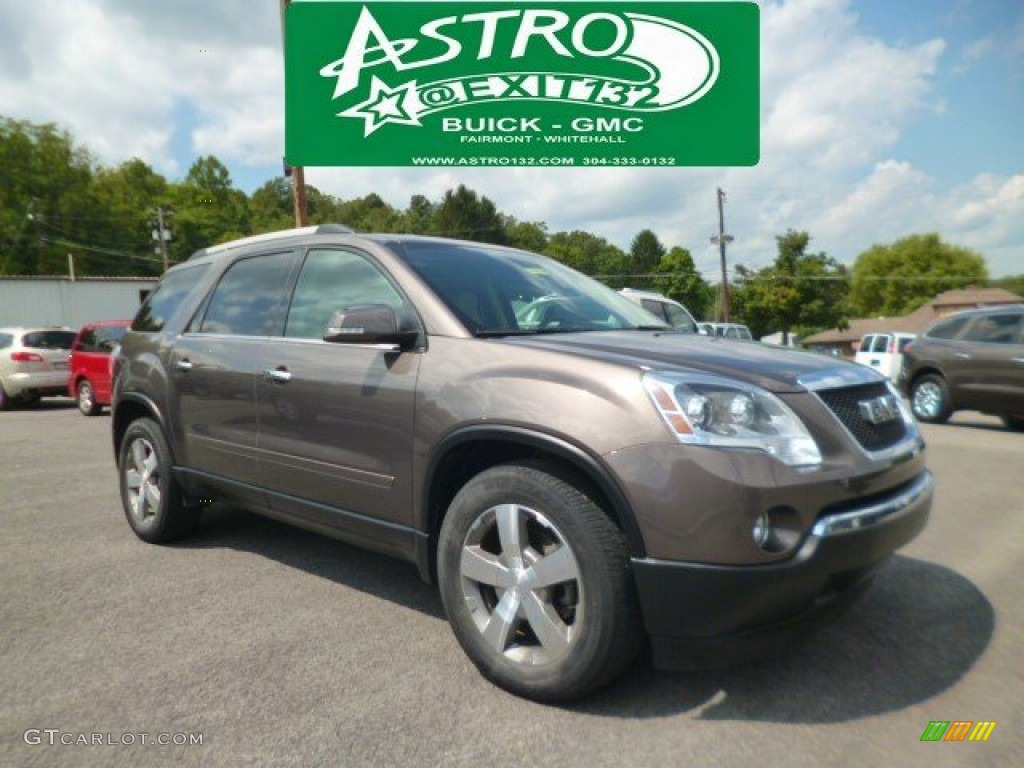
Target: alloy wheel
(522,585)
(142,480)
(927,401)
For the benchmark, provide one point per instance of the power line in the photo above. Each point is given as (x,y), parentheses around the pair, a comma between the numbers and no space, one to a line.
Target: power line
(106,252)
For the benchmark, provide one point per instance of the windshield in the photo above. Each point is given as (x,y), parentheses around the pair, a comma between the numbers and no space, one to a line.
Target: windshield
(497,292)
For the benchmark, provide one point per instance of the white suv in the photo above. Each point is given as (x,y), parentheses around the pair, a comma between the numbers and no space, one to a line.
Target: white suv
(663,308)
(884,352)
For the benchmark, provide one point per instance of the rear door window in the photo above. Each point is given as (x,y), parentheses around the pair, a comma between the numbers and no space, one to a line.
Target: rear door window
(250,298)
(951,328)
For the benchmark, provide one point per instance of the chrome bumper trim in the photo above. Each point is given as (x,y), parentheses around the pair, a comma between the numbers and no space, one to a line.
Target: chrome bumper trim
(880,512)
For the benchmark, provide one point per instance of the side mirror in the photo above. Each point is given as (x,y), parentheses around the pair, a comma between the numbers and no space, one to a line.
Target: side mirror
(368,324)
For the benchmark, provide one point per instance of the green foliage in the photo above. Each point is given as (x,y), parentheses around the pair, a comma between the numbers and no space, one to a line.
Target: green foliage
(895,279)
(45,197)
(589,254)
(126,196)
(528,235)
(464,214)
(1011,283)
(646,252)
(800,293)
(679,279)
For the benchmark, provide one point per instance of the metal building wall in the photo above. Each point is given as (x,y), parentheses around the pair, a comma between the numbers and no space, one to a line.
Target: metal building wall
(63,302)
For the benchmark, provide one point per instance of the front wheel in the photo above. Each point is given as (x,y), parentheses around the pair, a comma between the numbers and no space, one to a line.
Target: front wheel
(153,503)
(535,581)
(930,400)
(87,399)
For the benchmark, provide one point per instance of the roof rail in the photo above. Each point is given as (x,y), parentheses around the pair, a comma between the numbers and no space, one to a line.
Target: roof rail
(269,237)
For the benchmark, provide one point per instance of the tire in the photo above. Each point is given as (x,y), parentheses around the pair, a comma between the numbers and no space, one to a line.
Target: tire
(5,399)
(153,503)
(87,399)
(1014,423)
(581,601)
(930,400)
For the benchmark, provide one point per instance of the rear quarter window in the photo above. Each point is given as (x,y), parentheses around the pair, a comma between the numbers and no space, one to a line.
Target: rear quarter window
(166,299)
(6,340)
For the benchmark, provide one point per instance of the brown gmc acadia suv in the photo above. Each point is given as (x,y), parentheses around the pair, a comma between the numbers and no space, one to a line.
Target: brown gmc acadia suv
(580,480)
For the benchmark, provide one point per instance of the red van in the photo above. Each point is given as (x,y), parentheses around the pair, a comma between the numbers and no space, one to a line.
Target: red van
(89,378)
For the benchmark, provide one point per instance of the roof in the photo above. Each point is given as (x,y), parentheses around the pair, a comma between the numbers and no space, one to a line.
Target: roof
(270,237)
(922,317)
(82,279)
(975,297)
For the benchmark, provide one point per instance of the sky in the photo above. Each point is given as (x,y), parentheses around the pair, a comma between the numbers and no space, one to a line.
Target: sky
(879,119)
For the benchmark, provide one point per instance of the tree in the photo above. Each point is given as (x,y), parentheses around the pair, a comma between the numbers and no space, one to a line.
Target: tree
(207,209)
(679,279)
(271,207)
(898,278)
(1011,283)
(44,198)
(528,235)
(800,292)
(125,199)
(464,214)
(587,253)
(646,252)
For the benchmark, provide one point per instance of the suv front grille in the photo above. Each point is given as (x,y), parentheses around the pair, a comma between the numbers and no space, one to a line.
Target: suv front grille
(844,402)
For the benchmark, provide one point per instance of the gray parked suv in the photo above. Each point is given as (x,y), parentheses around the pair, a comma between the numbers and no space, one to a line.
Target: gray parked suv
(580,482)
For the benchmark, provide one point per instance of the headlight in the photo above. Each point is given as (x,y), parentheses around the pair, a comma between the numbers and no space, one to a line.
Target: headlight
(707,410)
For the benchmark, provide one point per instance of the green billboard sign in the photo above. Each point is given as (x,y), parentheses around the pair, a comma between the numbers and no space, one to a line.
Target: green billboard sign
(492,84)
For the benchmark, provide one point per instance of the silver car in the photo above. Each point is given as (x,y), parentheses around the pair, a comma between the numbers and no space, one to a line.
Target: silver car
(33,364)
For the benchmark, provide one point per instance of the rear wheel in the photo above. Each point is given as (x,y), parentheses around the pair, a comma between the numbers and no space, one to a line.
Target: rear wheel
(87,399)
(535,581)
(930,400)
(153,503)
(5,400)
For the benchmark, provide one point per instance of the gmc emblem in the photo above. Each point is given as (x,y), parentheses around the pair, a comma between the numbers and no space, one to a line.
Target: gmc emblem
(880,409)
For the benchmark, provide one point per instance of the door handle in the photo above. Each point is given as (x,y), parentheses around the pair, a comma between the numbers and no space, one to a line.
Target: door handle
(278,375)
(963,355)
(1017,359)
(876,362)
(184,364)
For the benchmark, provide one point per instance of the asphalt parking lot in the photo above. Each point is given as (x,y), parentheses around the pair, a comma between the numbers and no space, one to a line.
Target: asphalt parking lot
(283,648)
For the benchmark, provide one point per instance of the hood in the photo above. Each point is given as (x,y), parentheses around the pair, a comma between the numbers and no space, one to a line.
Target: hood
(776,369)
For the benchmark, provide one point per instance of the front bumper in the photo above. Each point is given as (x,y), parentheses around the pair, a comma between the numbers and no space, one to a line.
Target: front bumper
(701,615)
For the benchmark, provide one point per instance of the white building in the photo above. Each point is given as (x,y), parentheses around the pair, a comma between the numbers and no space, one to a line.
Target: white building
(56,300)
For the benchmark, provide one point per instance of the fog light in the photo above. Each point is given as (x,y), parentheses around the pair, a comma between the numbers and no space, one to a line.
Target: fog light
(762,531)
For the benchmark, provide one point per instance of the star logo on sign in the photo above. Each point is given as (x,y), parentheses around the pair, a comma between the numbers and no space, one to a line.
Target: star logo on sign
(385,105)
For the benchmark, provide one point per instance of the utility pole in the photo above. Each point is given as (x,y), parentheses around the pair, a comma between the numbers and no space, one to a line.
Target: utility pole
(297,173)
(162,234)
(722,239)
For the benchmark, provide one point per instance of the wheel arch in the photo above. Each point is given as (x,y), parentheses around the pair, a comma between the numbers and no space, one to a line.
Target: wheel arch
(466,452)
(130,407)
